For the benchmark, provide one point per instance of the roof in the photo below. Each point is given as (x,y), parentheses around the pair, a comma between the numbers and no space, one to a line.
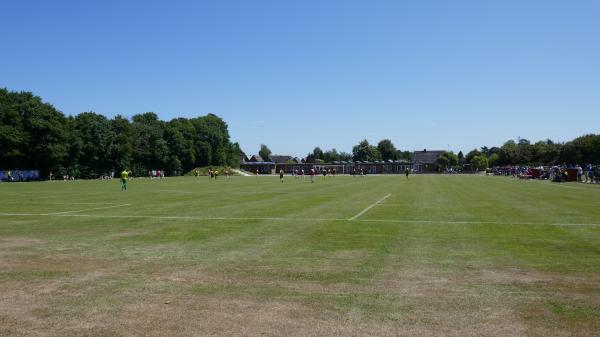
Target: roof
(256,158)
(279,159)
(258,163)
(426,156)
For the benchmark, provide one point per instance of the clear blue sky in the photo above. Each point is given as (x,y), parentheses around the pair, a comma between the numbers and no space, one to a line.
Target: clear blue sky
(296,74)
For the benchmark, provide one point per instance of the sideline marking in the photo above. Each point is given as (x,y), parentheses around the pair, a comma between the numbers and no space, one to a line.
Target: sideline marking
(88,209)
(369,207)
(415,221)
(176,191)
(58,203)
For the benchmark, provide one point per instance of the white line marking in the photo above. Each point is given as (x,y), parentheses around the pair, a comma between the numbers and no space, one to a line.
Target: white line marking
(58,203)
(408,221)
(369,207)
(176,191)
(88,209)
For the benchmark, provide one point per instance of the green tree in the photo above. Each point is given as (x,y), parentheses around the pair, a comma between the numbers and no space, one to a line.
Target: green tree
(493,159)
(524,152)
(583,149)
(446,160)
(150,147)
(180,134)
(345,156)
(45,133)
(330,156)
(461,157)
(34,135)
(545,153)
(211,130)
(508,153)
(265,152)
(480,162)
(310,158)
(91,141)
(318,153)
(235,155)
(203,153)
(365,152)
(472,154)
(406,155)
(13,138)
(122,151)
(387,150)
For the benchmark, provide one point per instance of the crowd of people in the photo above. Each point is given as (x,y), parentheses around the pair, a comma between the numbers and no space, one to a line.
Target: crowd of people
(19,175)
(587,173)
(156,174)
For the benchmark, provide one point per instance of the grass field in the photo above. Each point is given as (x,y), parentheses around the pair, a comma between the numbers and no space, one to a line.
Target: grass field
(377,256)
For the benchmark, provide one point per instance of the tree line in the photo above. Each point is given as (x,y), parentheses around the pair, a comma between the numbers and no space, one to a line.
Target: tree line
(35,135)
(363,151)
(581,150)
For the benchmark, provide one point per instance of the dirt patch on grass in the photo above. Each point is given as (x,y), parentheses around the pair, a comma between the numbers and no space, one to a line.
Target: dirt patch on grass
(120,298)
(18,242)
(563,286)
(513,276)
(501,302)
(443,304)
(242,317)
(33,286)
(273,277)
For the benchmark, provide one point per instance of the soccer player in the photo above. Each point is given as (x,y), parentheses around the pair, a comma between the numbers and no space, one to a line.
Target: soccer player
(124,178)
(407,172)
(312,175)
(324,173)
(281,175)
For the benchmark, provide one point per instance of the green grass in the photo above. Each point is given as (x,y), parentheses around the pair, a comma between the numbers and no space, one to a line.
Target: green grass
(440,251)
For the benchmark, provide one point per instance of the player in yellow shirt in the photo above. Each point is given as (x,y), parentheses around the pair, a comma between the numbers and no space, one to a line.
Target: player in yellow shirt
(124,179)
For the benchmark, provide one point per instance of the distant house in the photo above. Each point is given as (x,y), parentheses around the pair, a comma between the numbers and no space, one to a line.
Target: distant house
(424,161)
(256,164)
(256,159)
(278,159)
